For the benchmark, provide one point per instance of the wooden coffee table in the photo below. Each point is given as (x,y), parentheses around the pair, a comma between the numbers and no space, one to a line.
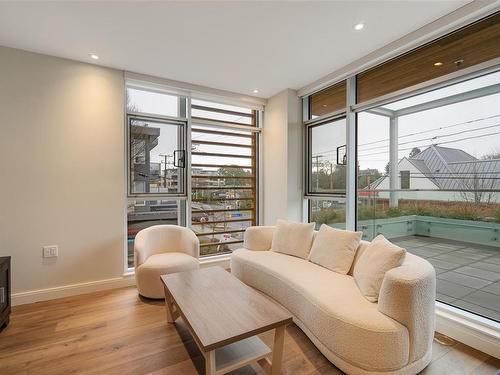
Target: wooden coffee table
(224,316)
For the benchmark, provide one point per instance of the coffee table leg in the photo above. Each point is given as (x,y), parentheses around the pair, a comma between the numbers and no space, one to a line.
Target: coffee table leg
(210,363)
(279,339)
(169,306)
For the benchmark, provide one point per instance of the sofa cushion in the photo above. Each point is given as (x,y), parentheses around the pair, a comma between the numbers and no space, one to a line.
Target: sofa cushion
(380,257)
(334,248)
(330,305)
(293,238)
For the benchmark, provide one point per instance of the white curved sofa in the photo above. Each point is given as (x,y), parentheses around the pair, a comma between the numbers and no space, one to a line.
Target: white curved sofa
(392,336)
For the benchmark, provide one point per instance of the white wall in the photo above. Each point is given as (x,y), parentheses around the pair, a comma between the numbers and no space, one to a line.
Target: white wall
(62,170)
(282,158)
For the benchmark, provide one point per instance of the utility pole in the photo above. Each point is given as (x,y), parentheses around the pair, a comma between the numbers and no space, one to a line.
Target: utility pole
(317,157)
(331,175)
(165,163)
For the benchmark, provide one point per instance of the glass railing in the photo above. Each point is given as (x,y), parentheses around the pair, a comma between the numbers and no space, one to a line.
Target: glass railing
(457,231)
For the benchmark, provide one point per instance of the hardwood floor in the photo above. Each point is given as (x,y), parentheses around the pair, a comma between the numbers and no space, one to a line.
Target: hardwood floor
(116,332)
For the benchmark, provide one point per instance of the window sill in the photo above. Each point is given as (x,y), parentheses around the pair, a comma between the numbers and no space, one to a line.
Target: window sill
(473,330)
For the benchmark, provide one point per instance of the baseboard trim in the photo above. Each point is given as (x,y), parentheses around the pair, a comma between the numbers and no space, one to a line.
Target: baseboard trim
(127,279)
(71,290)
(216,260)
(479,333)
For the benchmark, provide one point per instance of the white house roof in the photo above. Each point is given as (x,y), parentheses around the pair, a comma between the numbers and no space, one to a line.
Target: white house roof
(454,169)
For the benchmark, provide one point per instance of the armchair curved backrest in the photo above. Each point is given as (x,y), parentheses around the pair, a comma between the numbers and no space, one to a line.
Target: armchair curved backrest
(160,239)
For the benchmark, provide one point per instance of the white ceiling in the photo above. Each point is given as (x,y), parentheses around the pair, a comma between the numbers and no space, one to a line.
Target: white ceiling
(236,46)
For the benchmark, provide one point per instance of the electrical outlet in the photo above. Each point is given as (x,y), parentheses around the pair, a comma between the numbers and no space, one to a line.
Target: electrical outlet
(50,251)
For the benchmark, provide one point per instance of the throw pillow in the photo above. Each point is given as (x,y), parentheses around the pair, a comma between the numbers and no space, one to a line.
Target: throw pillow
(380,257)
(293,238)
(335,249)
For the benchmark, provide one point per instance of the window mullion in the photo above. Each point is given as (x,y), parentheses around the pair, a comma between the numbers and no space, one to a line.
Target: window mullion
(351,156)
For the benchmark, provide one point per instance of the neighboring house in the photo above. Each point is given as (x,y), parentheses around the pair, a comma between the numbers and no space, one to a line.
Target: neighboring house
(442,169)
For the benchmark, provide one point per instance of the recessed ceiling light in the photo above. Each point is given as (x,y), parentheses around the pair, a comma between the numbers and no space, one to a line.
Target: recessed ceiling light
(325,105)
(93,56)
(439,63)
(255,91)
(359,26)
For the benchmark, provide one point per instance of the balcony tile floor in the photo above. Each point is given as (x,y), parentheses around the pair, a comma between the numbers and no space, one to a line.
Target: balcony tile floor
(468,275)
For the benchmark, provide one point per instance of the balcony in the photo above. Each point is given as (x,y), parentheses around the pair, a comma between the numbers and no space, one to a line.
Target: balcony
(468,275)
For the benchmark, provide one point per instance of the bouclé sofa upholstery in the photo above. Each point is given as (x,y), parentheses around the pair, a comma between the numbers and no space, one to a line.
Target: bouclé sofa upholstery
(391,336)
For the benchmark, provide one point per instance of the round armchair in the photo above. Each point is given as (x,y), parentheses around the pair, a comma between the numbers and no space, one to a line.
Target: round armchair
(163,249)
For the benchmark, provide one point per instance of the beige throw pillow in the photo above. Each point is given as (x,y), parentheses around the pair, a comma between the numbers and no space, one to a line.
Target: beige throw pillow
(380,257)
(335,249)
(293,238)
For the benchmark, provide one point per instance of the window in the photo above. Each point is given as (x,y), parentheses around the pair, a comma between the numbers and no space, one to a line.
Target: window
(224,178)
(327,157)
(156,162)
(220,178)
(157,156)
(444,147)
(405,179)
(153,103)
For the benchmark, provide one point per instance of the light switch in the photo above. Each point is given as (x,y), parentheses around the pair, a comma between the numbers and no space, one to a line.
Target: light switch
(50,251)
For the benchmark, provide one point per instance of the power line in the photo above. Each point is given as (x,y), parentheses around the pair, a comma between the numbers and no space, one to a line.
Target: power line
(332,151)
(437,136)
(431,130)
(435,144)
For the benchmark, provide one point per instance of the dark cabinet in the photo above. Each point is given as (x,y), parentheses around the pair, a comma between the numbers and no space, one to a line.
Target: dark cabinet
(4,291)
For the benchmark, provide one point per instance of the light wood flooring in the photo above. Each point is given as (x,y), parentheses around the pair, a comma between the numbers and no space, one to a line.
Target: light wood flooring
(116,332)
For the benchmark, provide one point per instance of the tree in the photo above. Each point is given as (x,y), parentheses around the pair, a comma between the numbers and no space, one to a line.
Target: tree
(131,107)
(234,171)
(414,152)
(491,156)
(367,176)
(478,187)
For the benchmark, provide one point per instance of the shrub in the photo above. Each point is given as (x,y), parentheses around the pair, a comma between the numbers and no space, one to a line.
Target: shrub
(394,212)
(463,213)
(328,216)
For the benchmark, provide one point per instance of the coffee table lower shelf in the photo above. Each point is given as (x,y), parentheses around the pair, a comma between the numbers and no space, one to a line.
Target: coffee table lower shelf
(239,354)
